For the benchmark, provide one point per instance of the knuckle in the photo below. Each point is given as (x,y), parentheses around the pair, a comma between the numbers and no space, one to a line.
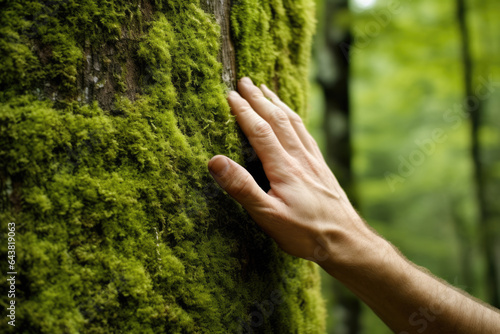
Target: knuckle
(242,187)
(256,94)
(274,98)
(246,108)
(294,118)
(262,129)
(278,117)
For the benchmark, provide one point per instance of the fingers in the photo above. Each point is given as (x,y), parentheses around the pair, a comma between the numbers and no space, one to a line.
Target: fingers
(295,120)
(272,114)
(261,136)
(238,183)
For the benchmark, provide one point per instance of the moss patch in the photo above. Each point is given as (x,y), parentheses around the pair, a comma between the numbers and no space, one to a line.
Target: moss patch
(273,43)
(109,112)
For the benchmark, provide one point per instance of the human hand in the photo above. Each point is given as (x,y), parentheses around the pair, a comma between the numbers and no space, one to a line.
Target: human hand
(306,211)
(308,214)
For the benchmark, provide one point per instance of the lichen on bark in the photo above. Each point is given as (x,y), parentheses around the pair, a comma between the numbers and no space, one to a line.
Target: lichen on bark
(109,112)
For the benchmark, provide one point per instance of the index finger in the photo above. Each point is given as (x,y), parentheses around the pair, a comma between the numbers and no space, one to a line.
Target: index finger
(261,136)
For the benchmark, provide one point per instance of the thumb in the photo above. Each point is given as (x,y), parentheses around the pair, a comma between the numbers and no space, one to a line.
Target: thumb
(237,182)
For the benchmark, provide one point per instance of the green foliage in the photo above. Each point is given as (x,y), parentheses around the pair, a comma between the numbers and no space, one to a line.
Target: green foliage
(119,226)
(408,81)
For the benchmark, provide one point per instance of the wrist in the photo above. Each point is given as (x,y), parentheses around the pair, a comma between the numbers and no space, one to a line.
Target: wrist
(357,251)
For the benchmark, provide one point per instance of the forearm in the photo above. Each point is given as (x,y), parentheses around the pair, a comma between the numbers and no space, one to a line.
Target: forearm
(405,297)
(308,215)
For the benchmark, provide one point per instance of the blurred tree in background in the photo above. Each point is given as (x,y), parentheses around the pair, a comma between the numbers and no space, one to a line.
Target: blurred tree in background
(421,131)
(333,42)
(480,63)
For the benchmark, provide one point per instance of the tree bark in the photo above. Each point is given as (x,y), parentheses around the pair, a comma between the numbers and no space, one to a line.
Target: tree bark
(108,118)
(333,53)
(486,215)
(222,12)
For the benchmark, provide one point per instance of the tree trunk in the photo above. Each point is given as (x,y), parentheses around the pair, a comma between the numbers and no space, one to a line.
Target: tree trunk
(222,12)
(488,214)
(109,112)
(333,58)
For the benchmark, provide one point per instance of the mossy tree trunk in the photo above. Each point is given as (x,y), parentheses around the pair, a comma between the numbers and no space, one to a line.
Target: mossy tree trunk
(109,112)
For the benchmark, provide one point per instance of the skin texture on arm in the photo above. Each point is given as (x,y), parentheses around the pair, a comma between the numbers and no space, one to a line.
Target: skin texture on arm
(309,216)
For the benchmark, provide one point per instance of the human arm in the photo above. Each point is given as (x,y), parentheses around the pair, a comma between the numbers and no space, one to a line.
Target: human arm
(309,215)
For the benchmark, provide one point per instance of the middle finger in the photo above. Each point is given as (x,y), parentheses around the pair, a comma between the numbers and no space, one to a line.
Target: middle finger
(272,114)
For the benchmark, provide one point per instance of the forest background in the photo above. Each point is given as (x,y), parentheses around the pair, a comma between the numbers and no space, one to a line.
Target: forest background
(416,142)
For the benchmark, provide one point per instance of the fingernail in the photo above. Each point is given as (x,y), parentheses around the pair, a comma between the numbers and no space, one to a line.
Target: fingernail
(264,86)
(218,167)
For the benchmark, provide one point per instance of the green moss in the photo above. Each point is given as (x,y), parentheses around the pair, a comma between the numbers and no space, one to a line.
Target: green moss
(273,42)
(119,226)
